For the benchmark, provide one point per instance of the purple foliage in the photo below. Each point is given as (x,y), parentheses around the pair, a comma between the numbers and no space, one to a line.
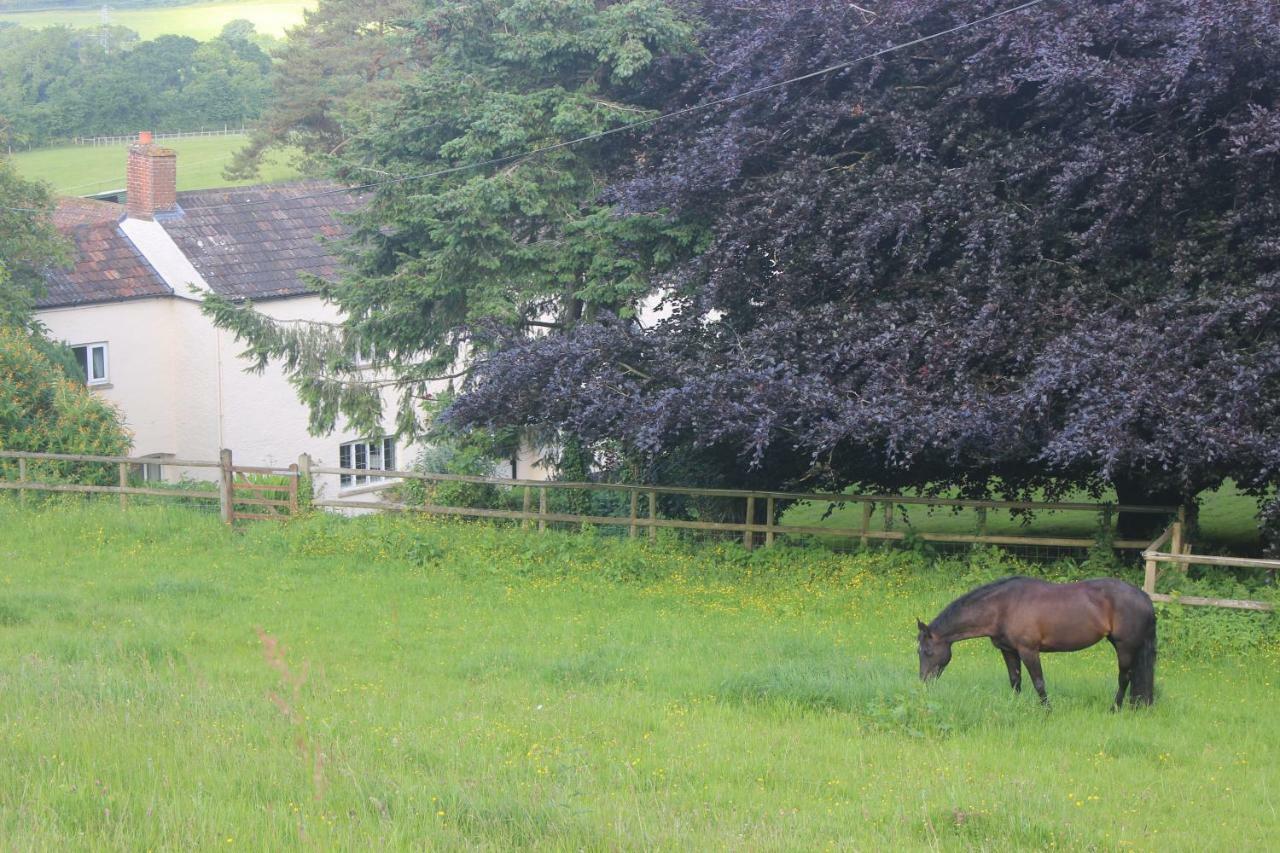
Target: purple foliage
(1044,250)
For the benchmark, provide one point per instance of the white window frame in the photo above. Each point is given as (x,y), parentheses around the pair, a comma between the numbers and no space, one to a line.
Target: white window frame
(357,454)
(90,379)
(152,471)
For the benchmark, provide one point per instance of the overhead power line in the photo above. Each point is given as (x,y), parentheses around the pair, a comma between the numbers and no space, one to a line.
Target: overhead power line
(644,122)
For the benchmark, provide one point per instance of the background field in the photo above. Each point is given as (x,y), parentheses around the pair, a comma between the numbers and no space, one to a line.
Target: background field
(83,170)
(349,683)
(199,20)
(1228,520)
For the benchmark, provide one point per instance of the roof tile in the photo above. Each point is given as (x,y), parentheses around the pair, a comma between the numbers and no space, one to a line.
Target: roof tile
(248,242)
(108,268)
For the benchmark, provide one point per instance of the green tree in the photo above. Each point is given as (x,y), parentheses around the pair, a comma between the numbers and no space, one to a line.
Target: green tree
(42,410)
(29,244)
(59,82)
(443,268)
(346,57)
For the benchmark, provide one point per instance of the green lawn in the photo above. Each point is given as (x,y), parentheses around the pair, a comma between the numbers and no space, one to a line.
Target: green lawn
(199,20)
(1227,520)
(391,683)
(84,170)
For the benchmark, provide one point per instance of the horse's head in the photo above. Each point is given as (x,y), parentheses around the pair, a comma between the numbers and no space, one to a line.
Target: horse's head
(935,653)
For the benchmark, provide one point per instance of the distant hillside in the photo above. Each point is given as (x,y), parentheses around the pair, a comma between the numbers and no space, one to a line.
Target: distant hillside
(160,17)
(36,5)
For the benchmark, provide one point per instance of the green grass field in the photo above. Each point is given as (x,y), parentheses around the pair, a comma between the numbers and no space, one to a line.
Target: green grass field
(392,683)
(1227,521)
(84,170)
(199,20)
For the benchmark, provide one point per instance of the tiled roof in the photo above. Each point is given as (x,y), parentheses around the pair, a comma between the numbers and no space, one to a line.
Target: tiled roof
(71,212)
(250,242)
(108,269)
(256,242)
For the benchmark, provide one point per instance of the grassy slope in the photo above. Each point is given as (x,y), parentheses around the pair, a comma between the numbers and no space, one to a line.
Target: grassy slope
(472,687)
(82,170)
(199,20)
(1227,521)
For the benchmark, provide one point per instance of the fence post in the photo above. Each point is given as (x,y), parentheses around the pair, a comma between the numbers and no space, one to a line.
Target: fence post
(1149,583)
(748,537)
(888,516)
(635,500)
(22,478)
(768,521)
(225,489)
(124,484)
(868,507)
(1179,535)
(304,473)
(653,514)
(982,521)
(293,490)
(542,507)
(527,505)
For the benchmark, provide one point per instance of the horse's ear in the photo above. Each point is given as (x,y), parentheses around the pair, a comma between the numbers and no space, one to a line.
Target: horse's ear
(924,629)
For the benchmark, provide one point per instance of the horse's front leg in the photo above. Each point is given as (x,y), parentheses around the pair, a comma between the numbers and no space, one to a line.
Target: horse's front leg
(1031,659)
(1014,663)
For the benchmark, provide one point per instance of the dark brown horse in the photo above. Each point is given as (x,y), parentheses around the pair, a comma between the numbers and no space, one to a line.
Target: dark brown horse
(1024,617)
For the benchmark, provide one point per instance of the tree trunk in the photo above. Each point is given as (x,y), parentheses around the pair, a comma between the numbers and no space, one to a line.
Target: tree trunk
(1142,491)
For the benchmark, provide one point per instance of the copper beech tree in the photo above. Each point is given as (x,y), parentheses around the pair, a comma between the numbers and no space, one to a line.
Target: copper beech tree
(1041,253)
(1034,255)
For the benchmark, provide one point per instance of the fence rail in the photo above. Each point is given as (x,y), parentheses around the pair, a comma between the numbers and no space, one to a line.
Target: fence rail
(749,527)
(232,482)
(1179,554)
(101,141)
(240,497)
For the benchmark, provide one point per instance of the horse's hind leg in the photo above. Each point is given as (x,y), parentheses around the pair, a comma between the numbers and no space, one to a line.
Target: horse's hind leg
(1014,663)
(1124,660)
(1031,659)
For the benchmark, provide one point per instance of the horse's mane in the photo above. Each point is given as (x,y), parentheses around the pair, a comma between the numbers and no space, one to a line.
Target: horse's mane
(971,598)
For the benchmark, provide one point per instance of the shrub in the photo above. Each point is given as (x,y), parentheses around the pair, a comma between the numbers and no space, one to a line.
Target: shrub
(41,410)
(451,459)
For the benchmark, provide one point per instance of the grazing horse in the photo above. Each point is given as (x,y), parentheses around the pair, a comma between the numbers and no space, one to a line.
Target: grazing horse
(1024,617)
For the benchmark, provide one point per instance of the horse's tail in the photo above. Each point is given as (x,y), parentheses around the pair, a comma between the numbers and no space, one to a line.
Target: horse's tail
(1142,684)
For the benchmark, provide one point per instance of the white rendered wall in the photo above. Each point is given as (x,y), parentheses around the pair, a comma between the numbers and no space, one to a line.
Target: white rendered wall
(140,368)
(184,390)
(264,423)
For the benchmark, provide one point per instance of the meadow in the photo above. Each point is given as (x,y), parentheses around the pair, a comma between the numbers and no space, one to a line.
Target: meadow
(343,683)
(84,170)
(201,21)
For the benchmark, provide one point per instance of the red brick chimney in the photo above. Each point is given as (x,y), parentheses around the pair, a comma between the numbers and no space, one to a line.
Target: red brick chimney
(151,180)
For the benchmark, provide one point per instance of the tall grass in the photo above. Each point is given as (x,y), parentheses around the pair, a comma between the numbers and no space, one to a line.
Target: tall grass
(344,683)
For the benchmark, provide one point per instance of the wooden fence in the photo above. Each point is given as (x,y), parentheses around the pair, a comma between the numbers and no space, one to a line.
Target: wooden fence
(235,487)
(751,529)
(129,139)
(242,497)
(1179,554)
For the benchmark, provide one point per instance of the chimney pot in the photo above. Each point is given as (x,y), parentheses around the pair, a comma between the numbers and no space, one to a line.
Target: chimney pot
(151,180)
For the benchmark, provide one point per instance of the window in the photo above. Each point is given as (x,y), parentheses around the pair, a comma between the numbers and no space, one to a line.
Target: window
(152,472)
(377,454)
(92,359)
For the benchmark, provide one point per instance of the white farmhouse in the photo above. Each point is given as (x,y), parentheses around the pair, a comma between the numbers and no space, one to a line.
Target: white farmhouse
(128,310)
